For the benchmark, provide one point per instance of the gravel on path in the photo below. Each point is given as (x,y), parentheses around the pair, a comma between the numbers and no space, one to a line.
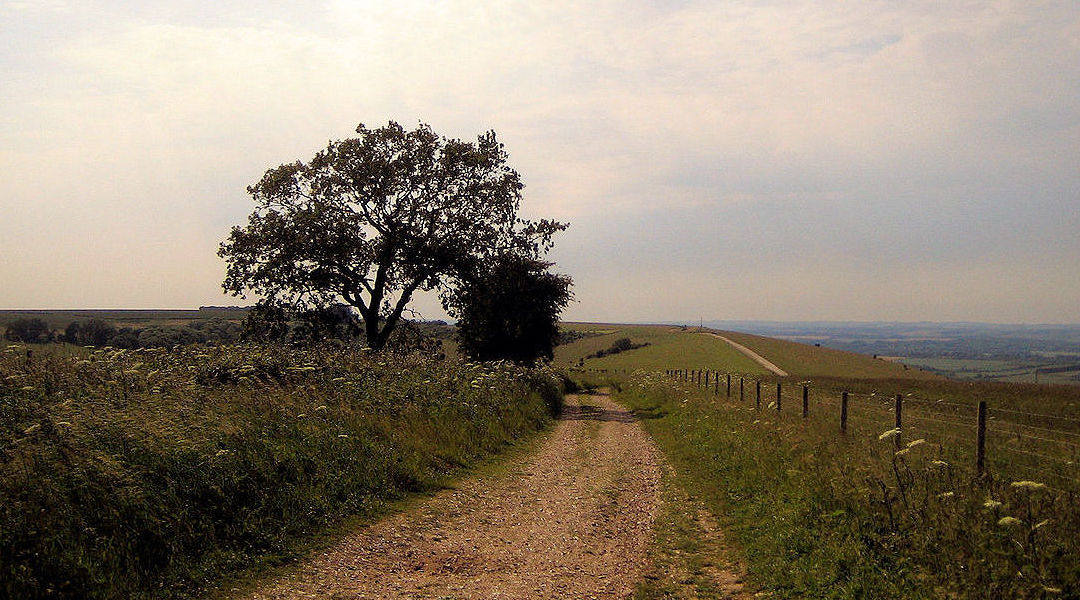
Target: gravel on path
(573,520)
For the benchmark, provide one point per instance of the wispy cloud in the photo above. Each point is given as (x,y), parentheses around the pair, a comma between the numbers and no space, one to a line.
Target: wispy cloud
(859,142)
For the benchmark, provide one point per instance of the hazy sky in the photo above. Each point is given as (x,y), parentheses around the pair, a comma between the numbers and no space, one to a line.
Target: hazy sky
(726,160)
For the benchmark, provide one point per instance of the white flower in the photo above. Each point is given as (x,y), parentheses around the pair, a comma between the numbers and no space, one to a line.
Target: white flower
(890,434)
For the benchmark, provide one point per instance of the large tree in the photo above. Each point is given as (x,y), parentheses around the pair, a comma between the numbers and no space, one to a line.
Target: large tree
(371,220)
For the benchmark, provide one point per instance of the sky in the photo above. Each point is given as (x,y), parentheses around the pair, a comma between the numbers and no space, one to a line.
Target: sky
(801,160)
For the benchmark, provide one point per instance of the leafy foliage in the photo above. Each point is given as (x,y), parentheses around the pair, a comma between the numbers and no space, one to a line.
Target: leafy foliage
(28,330)
(510,312)
(371,220)
(148,473)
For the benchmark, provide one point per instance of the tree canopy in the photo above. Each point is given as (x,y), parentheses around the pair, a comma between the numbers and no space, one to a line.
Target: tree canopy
(371,220)
(510,311)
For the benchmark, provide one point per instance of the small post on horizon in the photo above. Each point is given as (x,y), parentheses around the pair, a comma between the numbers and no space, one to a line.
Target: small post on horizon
(805,401)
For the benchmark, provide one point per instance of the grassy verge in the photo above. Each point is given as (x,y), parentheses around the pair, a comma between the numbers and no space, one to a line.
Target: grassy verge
(824,516)
(689,556)
(153,473)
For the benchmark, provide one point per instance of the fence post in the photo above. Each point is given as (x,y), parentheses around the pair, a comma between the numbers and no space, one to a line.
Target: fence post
(980,440)
(805,401)
(758,386)
(716,384)
(729,385)
(843,413)
(740,389)
(899,419)
(778,384)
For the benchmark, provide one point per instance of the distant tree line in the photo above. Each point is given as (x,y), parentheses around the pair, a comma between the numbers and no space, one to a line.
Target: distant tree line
(98,332)
(264,323)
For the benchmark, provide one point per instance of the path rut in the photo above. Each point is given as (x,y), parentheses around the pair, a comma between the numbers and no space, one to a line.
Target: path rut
(573,520)
(761,360)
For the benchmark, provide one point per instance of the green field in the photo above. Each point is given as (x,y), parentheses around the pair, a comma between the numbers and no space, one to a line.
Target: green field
(673,347)
(994,370)
(669,348)
(806,360)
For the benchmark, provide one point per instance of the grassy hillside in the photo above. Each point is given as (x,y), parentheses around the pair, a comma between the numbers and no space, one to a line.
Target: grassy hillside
(672,347)
(669,348)
(820,514)
(147,474)
(805,360)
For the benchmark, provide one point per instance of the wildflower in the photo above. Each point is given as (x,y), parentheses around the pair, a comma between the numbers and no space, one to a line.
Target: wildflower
(890,434)
(917,442)
(1009,522)
(991,504)
(342,435)
(1030,486)
(1041,523)
(939,463)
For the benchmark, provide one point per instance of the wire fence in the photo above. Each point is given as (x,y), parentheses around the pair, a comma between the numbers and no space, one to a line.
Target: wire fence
(986,439)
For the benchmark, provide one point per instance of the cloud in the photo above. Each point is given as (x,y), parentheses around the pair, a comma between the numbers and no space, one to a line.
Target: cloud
(853,140)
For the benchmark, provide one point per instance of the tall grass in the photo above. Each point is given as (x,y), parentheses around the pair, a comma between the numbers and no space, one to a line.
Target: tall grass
(151,473)
(821,515)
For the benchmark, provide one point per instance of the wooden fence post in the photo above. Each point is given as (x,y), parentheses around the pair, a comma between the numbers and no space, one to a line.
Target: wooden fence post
(778,384)
(758,386)
(716,384)
(843,412)
(740,389)
(805,401)
(980,440)
(899,419)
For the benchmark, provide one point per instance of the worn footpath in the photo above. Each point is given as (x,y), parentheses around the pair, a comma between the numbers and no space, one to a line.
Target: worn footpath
(573,520)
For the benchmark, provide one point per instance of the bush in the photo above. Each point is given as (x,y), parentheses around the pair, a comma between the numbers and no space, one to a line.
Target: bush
(146,474)
(28,330)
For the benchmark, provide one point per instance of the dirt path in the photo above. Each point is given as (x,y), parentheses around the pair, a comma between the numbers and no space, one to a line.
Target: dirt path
(761,360)
(573,520)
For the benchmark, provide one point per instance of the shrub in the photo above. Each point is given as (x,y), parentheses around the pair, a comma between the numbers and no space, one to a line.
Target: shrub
(147,473)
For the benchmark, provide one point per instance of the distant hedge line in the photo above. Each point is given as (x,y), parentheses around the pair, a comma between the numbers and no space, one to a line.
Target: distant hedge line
(151,473)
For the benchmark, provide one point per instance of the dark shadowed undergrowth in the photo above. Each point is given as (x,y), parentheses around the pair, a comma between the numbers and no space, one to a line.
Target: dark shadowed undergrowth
(151,473)
(819,515)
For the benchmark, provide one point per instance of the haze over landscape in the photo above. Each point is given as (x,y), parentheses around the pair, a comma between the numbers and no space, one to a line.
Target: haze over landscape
(737,160)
